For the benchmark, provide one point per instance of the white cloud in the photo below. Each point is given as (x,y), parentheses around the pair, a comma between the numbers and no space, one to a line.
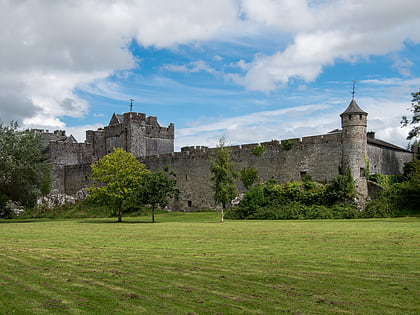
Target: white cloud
(51,48)
(194,66)
(325,33)
(260,126)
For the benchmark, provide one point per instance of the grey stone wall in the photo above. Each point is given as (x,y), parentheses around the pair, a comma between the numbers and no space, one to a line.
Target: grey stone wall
(63,153)
(355,152)
(134,133)
(76,177)
(387,161)
(318,156)
(321,156)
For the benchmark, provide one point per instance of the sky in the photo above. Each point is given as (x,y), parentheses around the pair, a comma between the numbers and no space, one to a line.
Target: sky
(247,70)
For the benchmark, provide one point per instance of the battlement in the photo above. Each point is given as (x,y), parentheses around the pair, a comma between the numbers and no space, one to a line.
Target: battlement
(154,130)
(134,117)
(194,148)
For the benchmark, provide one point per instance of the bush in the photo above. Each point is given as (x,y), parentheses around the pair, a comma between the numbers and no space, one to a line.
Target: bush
(399,198)
(297,200)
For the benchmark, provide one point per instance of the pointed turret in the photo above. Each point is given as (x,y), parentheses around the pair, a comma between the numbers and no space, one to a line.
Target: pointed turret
(354,125)
(353,108)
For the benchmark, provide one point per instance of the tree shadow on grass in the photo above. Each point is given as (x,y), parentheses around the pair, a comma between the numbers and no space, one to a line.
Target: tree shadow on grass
(115,221)
(8,221)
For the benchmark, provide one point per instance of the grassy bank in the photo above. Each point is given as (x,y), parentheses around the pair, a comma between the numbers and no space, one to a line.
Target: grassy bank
(189,263)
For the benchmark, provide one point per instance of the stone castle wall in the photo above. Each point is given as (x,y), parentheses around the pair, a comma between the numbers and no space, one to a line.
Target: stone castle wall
(63,153)
(133,132)
(387,161)
(318,156)
(322,157)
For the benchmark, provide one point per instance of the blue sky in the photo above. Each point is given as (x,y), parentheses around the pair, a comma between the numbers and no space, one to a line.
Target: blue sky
(247,70)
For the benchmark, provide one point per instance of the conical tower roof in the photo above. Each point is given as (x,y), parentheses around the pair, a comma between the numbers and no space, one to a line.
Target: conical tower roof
(353,108)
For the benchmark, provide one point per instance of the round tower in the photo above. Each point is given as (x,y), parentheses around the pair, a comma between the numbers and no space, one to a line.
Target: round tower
(354,145)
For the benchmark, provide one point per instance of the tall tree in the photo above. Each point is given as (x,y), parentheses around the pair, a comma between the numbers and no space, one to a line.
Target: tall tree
(224,176)
(415,119)
(249,176)
(115,178)
(23,166)
(155,189)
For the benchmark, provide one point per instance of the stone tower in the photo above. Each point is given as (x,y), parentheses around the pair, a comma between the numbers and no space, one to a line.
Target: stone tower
(354,137)
(133,132)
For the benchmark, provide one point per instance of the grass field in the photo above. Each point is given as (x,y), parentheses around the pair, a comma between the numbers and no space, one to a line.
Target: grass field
(188,263)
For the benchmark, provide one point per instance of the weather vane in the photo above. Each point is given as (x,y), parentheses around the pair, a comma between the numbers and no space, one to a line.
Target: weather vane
(354,88)
(131,104)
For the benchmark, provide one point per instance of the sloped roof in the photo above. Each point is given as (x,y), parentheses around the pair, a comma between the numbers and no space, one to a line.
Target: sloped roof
(116,119)
(70,139)
(381,143)
(353,108)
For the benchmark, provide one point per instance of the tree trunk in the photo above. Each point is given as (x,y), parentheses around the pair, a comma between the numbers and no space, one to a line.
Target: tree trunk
(153,214)
(119,213)
(222,214)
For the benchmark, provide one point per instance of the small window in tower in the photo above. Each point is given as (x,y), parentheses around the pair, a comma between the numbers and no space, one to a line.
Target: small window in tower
(186,177)
(349,117)
(360,116)
(189,203)
(362,172)
(303,174)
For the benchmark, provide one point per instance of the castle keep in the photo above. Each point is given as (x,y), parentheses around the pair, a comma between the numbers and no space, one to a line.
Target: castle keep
(322,156)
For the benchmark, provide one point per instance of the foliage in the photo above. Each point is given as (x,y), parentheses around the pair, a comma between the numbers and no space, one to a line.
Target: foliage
(83,209)
(341,189)
(385,181)
(155,189)
(23,166)
(298,200)
(258,150)
(415,119)
(115,178)
(401,197)
(224,176)
(366,170)
(249,176)
(287,144)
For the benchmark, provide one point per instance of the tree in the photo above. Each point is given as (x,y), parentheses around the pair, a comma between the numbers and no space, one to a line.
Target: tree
(249,176)
(414,121)
(155,189)
(224,176)
(115,178)
(23,166)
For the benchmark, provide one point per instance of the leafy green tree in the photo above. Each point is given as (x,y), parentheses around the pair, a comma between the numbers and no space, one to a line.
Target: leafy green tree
(224,176)
(155,190)
(115,178)
(415,119)
(249,176)
(23,166)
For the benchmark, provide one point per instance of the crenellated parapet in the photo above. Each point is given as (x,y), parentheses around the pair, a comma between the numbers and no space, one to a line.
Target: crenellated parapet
(321,156)
(135,133)
(65,153)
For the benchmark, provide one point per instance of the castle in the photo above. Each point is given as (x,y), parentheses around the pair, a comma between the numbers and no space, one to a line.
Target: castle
(322,156)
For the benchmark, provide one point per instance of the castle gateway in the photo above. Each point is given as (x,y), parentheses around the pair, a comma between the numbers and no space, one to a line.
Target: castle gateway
(322,156)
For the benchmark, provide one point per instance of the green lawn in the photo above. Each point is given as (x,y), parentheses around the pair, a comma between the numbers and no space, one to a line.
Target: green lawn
(188,263)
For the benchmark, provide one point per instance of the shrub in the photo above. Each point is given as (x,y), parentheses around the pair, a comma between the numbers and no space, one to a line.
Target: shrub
(297,200)
(258,150)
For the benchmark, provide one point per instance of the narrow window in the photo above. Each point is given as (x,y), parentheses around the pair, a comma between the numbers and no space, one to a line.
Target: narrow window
(189,203)
(362,172)
(303,174)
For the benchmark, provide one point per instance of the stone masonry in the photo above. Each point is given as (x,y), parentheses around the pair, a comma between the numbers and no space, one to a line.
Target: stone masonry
(322,156)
